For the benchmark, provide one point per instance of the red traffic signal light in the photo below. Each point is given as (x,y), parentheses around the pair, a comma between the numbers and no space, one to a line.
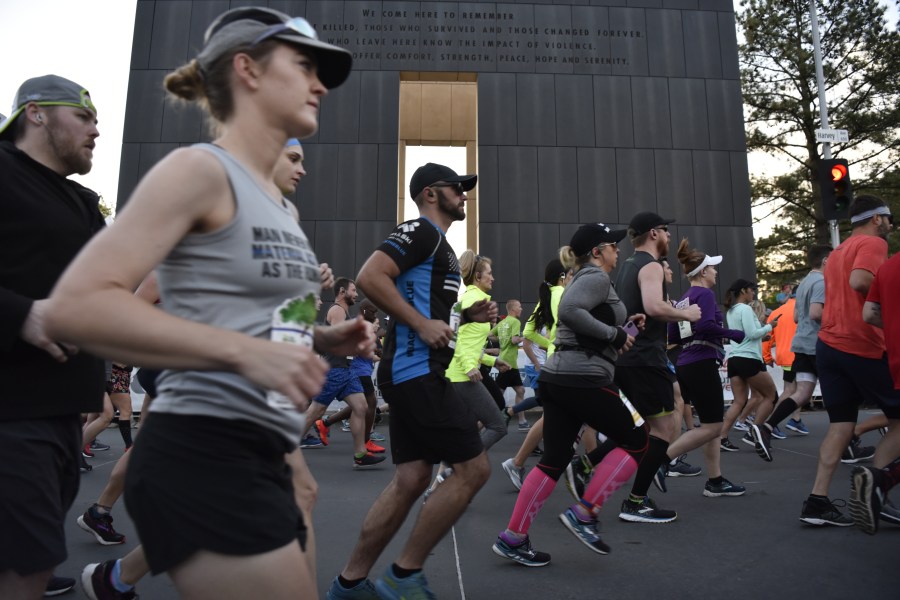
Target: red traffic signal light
(836,188)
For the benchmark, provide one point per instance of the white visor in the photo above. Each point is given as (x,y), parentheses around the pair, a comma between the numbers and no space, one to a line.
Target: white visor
(708,261)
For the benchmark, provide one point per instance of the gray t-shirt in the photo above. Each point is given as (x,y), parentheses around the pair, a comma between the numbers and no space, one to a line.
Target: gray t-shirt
(236,278)
(810,290)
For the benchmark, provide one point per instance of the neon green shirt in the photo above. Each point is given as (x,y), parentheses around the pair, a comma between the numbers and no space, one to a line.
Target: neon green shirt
(470,339)
(506,330)
(530,333)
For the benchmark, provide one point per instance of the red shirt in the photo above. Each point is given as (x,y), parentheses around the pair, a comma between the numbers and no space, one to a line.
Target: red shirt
(885,291)
(842,324)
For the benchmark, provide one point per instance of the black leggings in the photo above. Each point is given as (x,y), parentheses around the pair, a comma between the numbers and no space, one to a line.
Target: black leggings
(567,408)
(492,387)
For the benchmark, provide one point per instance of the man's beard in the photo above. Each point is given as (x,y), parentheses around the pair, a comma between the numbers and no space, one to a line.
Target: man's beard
(662,246)
(450,207)
(66,151)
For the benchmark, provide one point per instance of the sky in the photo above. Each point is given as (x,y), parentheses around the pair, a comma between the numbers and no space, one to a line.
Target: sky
(89,42)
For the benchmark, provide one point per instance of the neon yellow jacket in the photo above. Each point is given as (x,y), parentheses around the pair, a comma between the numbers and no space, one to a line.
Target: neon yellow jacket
(530,333)
(470,339)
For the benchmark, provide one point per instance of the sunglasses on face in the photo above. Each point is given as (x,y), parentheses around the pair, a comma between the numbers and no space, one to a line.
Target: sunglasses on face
(297,25)
(456,187)
(663,228)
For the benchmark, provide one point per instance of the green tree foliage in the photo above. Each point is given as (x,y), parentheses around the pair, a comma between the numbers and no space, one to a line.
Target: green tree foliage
(860,52)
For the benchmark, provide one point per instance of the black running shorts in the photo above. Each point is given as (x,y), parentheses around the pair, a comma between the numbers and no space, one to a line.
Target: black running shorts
(431,422)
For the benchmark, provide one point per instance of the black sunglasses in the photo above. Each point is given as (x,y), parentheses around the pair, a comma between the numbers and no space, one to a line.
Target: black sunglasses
(457,187)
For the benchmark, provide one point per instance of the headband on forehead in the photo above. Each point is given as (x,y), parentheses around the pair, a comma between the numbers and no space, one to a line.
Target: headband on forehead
(708,261)
(881,210)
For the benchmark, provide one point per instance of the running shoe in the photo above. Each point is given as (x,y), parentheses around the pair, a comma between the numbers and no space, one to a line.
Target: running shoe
(778,434)
(99,446)
(748,439)
(659,478)
(376,437)
(522,552)
(761,437)
(682,468)
(538,451)
(524,427)
(95,579)
(645,512)
(373,447)
(725,488)
(726,446)
(84,467)
(586,531)
(866,498)
(750,419)
(100,526)
(367,460)
(311,441)
(58,586)
(824,512)
(740,426)
(414,587)
(578,473)
(515,474)
(322,430)
(364,590)
(856,452)
(345,425)
(86,451)
(889,512)
(797,426)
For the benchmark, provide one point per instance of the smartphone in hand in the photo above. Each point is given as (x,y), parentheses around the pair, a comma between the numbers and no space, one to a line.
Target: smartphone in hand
(630,328)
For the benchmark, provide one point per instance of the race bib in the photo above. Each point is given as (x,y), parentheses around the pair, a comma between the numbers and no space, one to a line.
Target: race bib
(292,323)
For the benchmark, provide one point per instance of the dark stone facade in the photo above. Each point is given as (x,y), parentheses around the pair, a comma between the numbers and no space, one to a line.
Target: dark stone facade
(588,110)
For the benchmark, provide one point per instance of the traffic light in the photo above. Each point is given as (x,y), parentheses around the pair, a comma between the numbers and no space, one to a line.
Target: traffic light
(837,190)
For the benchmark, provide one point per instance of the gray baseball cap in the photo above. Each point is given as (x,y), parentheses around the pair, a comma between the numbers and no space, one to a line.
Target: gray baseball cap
(249,25)
(48,90)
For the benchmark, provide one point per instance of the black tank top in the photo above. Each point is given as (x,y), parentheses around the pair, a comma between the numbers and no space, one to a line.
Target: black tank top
(649,349)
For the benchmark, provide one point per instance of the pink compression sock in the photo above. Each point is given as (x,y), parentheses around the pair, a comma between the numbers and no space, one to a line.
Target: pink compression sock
(536,488)
(613,472)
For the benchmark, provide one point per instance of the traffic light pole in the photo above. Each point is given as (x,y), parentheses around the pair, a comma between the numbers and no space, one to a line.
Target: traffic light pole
(823,105)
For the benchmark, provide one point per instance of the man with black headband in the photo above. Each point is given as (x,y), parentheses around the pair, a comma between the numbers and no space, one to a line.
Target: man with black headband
(850,354)
(45,219)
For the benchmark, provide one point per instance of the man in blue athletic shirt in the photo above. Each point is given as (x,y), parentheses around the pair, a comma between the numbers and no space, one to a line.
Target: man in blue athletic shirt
(414,277)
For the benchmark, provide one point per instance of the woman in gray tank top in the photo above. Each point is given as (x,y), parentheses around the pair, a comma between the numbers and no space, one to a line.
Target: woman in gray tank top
(212,481)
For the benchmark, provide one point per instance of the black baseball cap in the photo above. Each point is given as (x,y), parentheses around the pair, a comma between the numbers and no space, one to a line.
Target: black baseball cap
(741,284)
(591,235)
(250,25)
(643,222)
(431,173)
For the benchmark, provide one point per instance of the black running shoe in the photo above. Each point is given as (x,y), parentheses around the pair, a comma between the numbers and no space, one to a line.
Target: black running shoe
(824,512)
(522,552)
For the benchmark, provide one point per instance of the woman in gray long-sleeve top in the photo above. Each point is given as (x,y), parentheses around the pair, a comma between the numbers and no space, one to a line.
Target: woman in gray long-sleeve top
(576,387)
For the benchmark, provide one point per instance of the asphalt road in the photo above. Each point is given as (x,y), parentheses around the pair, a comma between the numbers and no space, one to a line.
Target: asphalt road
(749,547)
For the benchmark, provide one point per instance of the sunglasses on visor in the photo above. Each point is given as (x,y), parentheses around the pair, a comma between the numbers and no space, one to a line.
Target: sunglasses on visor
(297,25)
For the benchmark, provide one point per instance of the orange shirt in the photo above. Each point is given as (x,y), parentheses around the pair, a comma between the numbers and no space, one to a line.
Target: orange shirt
(842,324)
(782,336)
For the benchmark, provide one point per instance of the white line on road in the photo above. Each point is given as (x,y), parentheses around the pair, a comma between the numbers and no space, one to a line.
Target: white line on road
(462,590)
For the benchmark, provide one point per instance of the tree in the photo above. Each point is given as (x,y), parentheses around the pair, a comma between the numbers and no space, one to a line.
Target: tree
(860,53)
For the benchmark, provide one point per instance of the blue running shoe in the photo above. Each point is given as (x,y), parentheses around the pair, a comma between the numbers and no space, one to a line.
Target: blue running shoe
(586,532)
(414,587)
(778,434)
(797,426)
(376,437)
(311,441)
(363,591)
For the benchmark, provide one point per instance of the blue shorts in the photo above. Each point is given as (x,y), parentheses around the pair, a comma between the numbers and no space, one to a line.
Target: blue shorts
(847,380)
(339,384)
(531,376)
